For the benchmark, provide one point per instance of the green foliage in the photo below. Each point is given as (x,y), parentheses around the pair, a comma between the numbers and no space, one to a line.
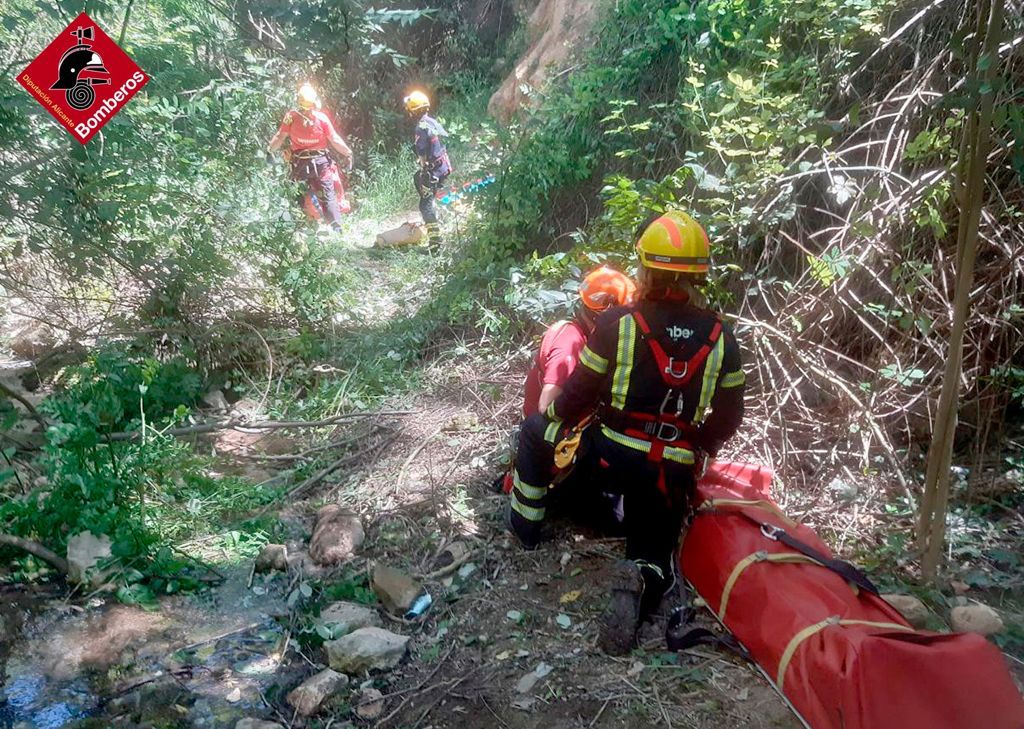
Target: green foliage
(146,492)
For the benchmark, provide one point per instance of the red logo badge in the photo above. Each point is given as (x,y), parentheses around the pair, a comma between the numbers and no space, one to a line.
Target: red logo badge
(83,78)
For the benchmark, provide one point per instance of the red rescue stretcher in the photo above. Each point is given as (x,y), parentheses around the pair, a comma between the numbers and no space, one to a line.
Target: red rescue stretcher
(842,656)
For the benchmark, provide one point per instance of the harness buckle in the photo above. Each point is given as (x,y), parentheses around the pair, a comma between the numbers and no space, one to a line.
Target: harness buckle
(673,433)
(670,369)
(772,532)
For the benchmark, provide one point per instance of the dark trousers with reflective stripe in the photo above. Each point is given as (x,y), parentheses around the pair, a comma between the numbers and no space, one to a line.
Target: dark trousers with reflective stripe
(426,186)
(652,520)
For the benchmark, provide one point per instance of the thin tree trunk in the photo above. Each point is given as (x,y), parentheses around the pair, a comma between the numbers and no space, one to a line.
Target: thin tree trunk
(935,501)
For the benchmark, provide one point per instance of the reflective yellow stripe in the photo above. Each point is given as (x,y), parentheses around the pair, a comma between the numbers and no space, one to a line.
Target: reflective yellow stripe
(677,455)
(623,362)
(734,379)
(527,512)
(760,556)
(799,638)
(594,361)
(712,367)
(551,432)
(550,413)
(530,492)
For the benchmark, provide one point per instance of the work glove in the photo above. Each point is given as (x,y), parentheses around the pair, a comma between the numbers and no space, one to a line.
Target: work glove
(269,157)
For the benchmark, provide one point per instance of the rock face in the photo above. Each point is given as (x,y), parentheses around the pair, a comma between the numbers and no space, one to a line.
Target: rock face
(310,695)
(272,557)
(257,724)
(554,29)
(336,537)
(366,649)
(910,608)
(85,551)
(979,619)
(342,618)
(396,590)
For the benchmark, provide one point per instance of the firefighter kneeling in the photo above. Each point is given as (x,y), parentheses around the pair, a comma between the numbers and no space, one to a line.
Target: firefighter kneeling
(665,382)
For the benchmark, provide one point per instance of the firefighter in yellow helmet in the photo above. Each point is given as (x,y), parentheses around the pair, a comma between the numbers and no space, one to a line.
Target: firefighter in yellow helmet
(311,135)
(665,382)
(434,165)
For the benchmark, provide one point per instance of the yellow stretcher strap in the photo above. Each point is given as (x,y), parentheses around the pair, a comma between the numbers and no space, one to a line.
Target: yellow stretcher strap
(799,638)
(712,504)
(760,556)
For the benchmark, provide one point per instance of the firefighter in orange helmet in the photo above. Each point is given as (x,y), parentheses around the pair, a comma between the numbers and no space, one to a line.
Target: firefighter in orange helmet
(665,382)
(311,135)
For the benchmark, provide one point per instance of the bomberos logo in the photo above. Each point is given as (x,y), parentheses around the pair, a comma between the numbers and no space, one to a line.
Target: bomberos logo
(83,78)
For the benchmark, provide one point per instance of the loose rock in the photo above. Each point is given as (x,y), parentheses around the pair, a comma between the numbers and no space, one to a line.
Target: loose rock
(85,551)
(336,537)
(215,399)
(310,695)
(342,618)
(910,608)
(396,590)
(257,724)
(370,704)
(978,618)
(366,649)
(272,557)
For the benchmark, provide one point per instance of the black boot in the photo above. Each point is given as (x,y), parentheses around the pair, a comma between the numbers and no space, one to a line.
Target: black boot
(621,619)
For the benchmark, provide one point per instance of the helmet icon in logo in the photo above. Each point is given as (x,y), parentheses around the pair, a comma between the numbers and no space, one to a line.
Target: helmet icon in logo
(78,69)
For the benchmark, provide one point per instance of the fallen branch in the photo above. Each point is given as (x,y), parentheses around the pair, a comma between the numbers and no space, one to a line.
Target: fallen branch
(240,424)
(29,407)
(36,550)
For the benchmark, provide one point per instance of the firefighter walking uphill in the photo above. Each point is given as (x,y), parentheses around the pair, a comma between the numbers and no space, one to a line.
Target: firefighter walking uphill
(665,383)
(311,135)
(434,165)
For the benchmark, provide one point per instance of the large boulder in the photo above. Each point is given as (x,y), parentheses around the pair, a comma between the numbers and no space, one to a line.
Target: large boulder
(910,608)
(977,618)
(366,649)
(555,29)
(309,696)
(396,590)
(336,537)
(342,618)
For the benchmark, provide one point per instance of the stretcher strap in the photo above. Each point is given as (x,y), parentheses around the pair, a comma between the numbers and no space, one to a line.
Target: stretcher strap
(759,556)
(798,639)
(712,504)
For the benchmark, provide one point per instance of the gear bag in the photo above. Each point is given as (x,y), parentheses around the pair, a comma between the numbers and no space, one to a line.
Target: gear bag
(842,656)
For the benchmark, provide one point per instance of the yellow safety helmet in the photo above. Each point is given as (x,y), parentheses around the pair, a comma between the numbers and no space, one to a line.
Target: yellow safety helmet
(416,101)
(675,242)
(308,97)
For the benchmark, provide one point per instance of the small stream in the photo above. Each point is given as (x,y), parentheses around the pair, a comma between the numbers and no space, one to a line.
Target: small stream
(203,659)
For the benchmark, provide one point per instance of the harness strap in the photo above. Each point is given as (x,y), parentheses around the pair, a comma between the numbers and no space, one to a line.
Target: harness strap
(679,638)
(667,366)
(844,569)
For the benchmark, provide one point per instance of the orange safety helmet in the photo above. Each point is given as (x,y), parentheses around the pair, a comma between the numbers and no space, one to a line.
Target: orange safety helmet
(675,242)
(605,287)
